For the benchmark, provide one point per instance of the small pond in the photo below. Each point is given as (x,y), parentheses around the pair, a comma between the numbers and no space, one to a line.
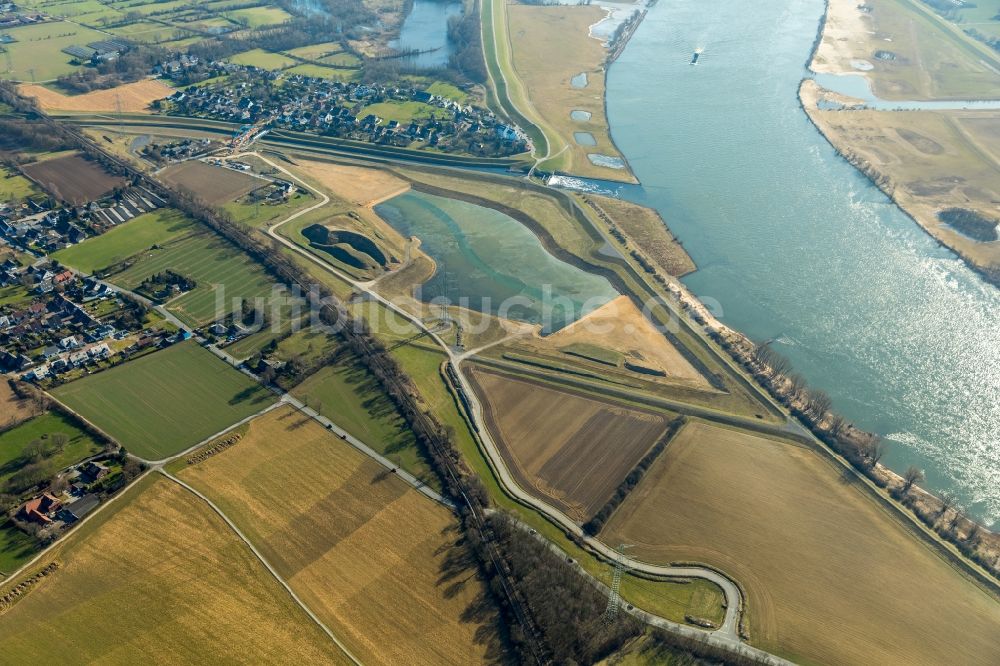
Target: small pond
(585,138)
(579,81)
(581,116)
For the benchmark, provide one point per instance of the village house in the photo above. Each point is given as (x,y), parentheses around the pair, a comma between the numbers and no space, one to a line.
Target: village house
(39,509)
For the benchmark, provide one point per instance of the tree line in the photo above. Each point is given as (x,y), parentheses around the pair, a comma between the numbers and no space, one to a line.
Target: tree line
(596,523)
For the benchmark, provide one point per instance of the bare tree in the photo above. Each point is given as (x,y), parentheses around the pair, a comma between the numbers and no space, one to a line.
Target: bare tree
(818,403)
(837,424)
(59,441)
(872,449)
(911,476)
(947,501)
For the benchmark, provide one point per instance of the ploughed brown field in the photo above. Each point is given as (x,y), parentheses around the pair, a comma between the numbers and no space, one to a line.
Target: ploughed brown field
(569,450)
(73,179)
(213,184)
(831,576)
(379,563)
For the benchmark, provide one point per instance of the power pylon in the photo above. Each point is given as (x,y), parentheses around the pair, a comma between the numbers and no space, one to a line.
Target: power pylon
(614,598)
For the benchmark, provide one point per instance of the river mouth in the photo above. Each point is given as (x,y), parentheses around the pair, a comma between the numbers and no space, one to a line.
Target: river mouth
(489,262)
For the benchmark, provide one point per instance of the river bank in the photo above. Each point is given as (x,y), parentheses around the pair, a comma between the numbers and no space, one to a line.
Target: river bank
(935,167)
(794,247)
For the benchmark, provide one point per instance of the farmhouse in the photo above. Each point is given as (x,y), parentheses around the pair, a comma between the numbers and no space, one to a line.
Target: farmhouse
(80,508)
(39,509)
(94,471)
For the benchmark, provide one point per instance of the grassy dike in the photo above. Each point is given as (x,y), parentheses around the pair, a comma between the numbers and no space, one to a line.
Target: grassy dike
(510,95)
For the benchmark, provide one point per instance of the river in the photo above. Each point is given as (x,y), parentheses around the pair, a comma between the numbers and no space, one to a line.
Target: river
(795,245)
(426,29)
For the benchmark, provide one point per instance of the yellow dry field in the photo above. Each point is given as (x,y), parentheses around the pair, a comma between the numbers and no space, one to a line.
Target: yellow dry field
(12,409)
(133,97)
(621,326)
(164,580)
(550,46)
(647,231)
(569,450)
(831,576)
(934,160)
(374,559)
(359,185)
(931,57)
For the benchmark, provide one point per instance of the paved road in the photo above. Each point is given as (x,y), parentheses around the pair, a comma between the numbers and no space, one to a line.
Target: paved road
(726,636)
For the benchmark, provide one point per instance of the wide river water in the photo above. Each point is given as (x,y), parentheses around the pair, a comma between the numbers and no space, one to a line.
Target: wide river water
(795,245)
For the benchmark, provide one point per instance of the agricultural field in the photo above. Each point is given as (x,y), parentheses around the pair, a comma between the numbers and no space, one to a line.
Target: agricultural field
(225,277)
(569,450)
(931,160)
(133,97)
(792,528)
(320,72)
(361,186)
(348,60)
(14,187)
(13,410)
(148,32)
(316,51)
(214,184)
(255,17)
(550,46)
(158,577)
(123,241)
(263,59)
(72,178)
(931,57)
(167,401)
(378,562)
(348,395)
(37,55)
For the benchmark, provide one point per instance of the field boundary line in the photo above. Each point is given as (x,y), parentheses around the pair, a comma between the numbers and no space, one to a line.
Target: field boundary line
(263,561)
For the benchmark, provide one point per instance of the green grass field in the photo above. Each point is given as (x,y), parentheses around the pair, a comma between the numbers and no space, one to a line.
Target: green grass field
(263,59)
(16,548)
(314,51)
(404,112)
(350,397)
(120,243)
(341,60)
(320,72)
(163,403)
(41,428)
(37,54)
(219,269)
(255,17)
(447,91)
(15,186)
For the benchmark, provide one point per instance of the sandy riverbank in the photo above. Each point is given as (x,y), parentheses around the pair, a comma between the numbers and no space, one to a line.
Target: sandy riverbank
(926,162)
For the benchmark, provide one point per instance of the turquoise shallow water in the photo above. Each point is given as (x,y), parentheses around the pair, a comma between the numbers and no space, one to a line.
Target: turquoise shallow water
(490,262)
(792,243)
